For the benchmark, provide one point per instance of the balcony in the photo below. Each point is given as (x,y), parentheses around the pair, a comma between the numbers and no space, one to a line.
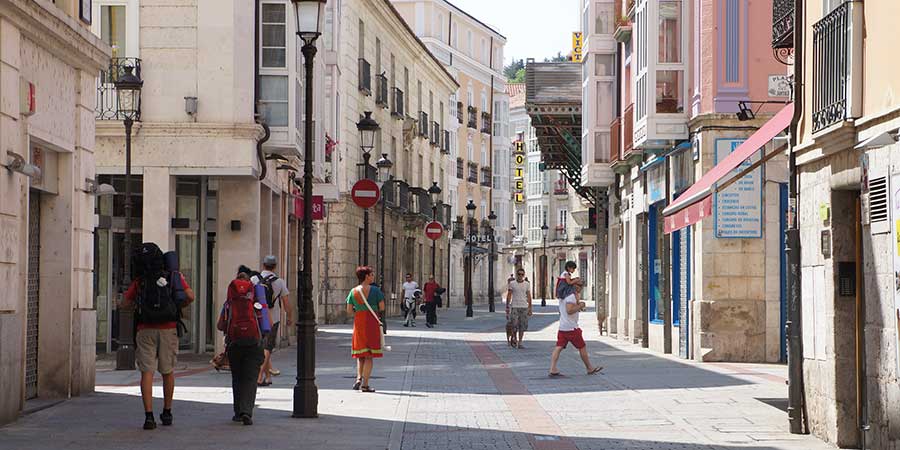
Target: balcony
(459,229)
(473,173)
(460,168)
(423,124)
(559,187)
(486,176)
(459,112)
(365,77)
(389,194)
(473,118)
(381,89)
(444,214)
(837,66)
(559,234)
(623,22)
(398,111)
(402,196)
(486,122)
(445,142)
(435,134)
(107,102)
(615,138)
(628,131)
(782,24)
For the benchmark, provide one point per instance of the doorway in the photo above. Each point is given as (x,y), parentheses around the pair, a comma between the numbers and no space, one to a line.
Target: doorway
(32,330)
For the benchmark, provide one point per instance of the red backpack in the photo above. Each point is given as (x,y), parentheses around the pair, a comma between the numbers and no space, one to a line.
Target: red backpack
(242,326)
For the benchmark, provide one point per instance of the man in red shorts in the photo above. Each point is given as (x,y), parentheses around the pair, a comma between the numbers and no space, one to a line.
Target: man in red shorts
(569,307)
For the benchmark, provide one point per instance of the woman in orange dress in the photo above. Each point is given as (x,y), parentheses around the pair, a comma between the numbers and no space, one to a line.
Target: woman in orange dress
(366,325)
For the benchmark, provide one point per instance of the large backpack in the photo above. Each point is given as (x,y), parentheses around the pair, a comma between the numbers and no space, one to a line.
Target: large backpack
(155,303)
(242,326)
(268,283)
(147,259)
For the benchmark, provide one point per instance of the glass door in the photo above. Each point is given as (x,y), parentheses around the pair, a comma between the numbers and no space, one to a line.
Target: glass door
(188,248)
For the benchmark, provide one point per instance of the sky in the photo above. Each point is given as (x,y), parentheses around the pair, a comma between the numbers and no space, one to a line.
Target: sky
(533,28)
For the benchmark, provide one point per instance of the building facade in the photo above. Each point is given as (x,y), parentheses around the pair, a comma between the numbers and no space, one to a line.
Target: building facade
(385,70)
(214,152)
(51,62)
(473,53)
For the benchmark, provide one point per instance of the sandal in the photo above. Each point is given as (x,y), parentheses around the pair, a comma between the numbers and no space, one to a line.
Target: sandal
(556,375)
(595,370)
(366,389)
(357,385)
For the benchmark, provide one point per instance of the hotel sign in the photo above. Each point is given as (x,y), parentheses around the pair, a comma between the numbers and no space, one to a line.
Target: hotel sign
(577,46)
(519,172)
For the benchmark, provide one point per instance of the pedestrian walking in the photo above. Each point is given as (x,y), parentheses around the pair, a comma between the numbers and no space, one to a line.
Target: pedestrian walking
(518,307)
(409,301)
(368,336)
(569,332)
(242,322)
(277,299)
(158,295)
(431,287)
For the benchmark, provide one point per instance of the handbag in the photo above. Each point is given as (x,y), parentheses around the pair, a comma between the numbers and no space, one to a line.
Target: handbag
(384,347)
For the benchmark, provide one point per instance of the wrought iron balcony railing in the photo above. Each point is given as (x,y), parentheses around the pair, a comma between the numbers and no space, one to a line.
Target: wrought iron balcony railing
(486,176)
(445,142)
(435,134)
(397,109)
(473,117)
(365,76)
(486,122)
(837,40)
(381,90)
(460,168)
(459,112)
(423,124)
(107,107)
(782,24)
(473,173)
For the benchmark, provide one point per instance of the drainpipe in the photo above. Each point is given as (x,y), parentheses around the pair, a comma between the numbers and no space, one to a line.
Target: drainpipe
(263,167)
(796,404)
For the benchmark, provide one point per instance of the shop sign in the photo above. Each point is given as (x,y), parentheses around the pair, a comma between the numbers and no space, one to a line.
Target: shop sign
(577,46)
(738,209)
(779,86)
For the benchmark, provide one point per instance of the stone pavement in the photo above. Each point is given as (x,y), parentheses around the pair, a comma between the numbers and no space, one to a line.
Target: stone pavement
(458,386)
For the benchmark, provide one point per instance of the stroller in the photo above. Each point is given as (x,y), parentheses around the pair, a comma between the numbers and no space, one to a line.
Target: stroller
(409,307)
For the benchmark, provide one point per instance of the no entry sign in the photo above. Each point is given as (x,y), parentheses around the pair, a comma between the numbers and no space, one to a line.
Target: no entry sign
(365,193)
(434,230)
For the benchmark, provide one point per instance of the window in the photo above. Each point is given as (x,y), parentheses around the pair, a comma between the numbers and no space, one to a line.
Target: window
(112,29)
(362,39)
(377,56)
(471,43)
(454,35)
(669,90)
(439,25)
(406,89)
(274,48)
(470,150)
(484,154)
(273,94)
(604,65)
(563,219)
(484,51)
(670,31)
(603,19)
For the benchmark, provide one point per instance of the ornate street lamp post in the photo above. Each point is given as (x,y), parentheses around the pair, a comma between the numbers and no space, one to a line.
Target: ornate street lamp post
(470,213)
(309,15)
(435,192)
(492,218)
(544,268)
(128,97)
(384,166)
(367,127)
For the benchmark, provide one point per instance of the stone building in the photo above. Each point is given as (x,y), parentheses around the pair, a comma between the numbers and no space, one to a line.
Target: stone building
(218,140)
(471,51)
(50,62)
(846,126)
(387,71)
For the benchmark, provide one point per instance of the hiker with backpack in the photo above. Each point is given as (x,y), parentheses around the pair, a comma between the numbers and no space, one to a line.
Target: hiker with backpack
(277,300)
(158,294)
(244,320)
(368,333)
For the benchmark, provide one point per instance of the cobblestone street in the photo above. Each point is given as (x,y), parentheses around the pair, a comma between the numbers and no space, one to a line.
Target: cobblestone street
(458,386)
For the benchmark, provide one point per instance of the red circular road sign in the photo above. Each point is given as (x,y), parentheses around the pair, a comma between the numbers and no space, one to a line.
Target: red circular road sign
(365,193)
(434,230)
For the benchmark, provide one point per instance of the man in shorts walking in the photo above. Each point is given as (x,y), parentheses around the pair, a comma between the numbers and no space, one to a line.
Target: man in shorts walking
(569,307)
(280,303)
(518,306)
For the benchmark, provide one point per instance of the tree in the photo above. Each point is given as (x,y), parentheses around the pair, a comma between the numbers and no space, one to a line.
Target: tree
(519,78)
(512,70)
(558,58)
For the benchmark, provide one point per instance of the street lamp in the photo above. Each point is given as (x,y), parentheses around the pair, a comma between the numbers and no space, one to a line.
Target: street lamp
(470,213)
(367,127)
(492,218)
(435,192)
(544,230)
(128,98)
(384,166)
(309,15)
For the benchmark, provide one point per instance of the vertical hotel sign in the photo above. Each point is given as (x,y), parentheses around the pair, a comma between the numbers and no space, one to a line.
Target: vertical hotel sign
(519,172)
(577,45)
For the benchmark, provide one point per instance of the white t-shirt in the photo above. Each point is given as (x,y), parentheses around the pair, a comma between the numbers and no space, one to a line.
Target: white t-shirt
(519,294)
(409,288)
(567,322)
(279,289)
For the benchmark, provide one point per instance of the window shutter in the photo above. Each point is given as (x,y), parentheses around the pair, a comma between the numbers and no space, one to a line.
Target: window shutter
(879,217)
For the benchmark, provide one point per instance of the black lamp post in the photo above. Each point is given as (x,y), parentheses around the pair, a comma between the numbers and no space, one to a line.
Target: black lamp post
(384,166)
(128,98)
(492,218)
(367,127)
(435,192)
(309,15)
(544,230)
(470,213)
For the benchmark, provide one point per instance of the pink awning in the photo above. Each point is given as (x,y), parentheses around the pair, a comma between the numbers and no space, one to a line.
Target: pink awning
(700,191)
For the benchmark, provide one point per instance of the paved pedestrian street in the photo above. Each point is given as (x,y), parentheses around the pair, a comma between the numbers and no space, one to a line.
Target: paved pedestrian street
(458,386)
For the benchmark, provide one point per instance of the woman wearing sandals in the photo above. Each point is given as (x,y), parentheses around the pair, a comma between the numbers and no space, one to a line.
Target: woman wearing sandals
(363,302)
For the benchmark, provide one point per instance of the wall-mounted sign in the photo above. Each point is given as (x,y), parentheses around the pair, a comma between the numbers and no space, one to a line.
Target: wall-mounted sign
(520,159)
(318,206)
(779,86)
(519,172)
(738,209)
(577,44)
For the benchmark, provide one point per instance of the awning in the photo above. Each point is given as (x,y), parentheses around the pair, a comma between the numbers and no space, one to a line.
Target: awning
(696,203)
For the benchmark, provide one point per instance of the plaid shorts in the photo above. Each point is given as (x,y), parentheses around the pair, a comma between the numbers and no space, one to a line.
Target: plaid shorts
(518,318)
